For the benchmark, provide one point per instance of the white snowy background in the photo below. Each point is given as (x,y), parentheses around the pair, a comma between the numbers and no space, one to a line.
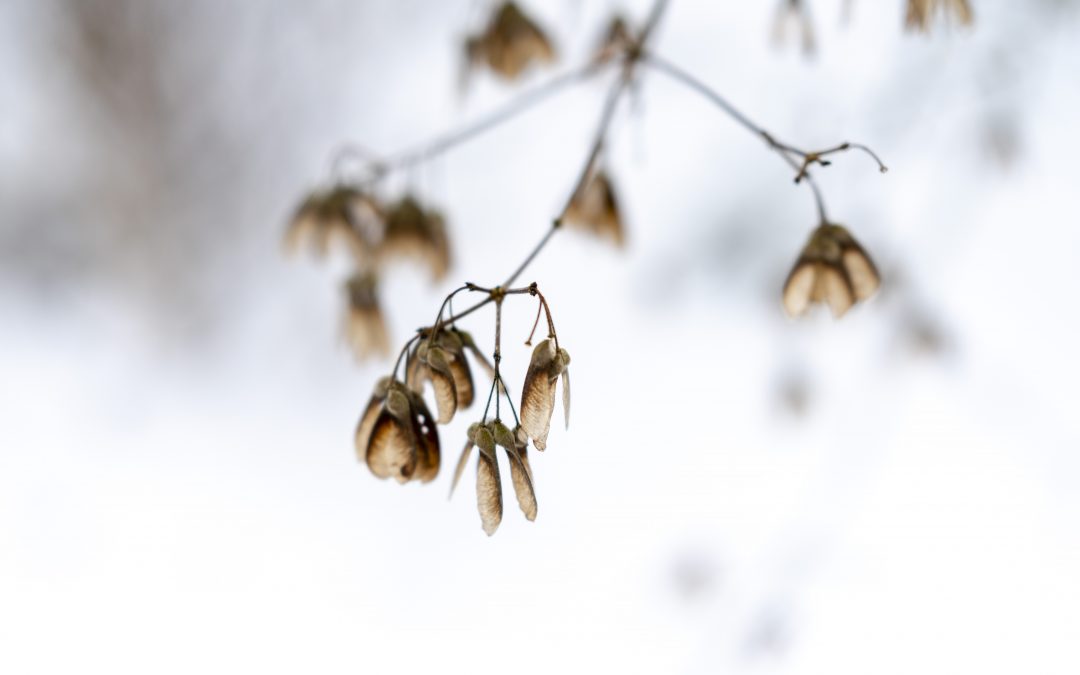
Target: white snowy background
(897,492)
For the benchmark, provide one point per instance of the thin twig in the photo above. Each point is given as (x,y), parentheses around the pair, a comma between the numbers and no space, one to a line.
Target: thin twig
(428,150)
(783,149)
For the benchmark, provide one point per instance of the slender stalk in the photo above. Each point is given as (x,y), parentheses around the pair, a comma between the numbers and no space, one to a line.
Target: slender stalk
(498,349)
(783,149)
(430,149)
(607,114)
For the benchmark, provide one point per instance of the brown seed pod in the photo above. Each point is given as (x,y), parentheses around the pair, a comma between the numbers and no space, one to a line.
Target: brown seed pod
(920,13)
(794,13)
(396,435)
(538,393)
(488,484)
(415,233)
(616,40)
(364,324)
(595,210)
(510,44)
(342,216)
(833,269)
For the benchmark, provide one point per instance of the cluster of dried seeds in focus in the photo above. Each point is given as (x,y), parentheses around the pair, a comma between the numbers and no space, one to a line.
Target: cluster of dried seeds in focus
(397,435)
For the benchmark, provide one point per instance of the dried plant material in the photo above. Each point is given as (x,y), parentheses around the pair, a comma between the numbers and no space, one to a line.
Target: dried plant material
(435,368)
(595,210)
(618,39)
(463,461)
(396,436)
(566,397)
(488,484)
(538,393)
(365,326)
(794,14)
(920,13)
(519,473)
(341,216)
(450,375)
(412,232)
(510,44)
(833,269)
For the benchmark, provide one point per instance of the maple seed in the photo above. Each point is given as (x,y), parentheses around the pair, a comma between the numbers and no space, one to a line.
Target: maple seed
(595,210)
(920,13)
(413,232)
(488,485)
(396,436)
(538,393)
(445,366)
(510,44)
(794,13)
(832,268)
(520,475)
(618,39)
(364,324)
(340,216)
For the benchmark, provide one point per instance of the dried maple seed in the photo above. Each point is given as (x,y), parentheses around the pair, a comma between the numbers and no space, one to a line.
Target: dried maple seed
(396,435)
(341,216)
(595,210)
(416,233)
(519,473)
(488,485)
(442,362)
(364,324)
(538,393)
(920,13)
(833,269)
(617,39)
(794,13)
(510,43)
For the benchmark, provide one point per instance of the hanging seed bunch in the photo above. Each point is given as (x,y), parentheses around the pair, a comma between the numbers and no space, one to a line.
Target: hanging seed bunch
(794,16)
(373,234)
(509,45)
(595,210)
(432,380)
(397,435)
(921,14)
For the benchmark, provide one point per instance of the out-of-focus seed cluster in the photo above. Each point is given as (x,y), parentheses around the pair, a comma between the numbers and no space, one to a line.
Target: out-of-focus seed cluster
(373,234)
(794,16)
(595,210)
(832,269)
(921,14)
(509,44)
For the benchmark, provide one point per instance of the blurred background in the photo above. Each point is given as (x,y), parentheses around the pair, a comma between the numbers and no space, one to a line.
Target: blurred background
(895,492)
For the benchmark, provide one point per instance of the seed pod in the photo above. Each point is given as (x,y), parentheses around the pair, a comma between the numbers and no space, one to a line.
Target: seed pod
(488,485)
(416,233)
(364,325)
(341,216)
(595,210)
(832,268)
(396,435)
(519,472)
(510,43)
(538,393)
